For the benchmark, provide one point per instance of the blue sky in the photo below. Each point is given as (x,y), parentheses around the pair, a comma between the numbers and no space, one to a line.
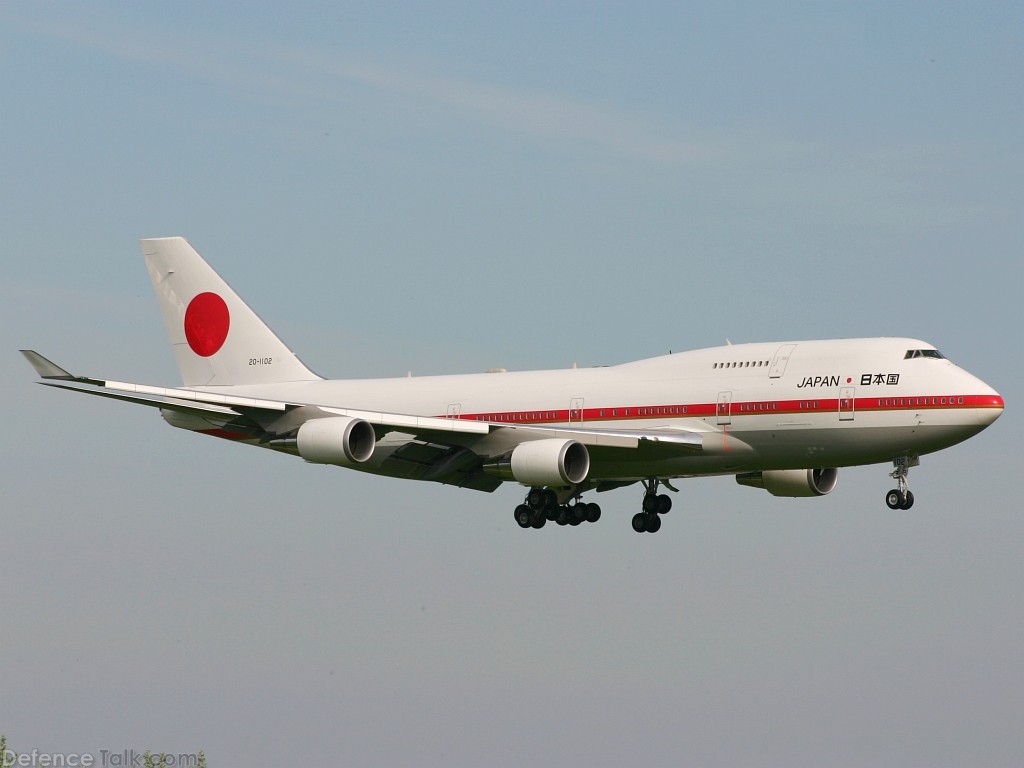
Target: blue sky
(451,187)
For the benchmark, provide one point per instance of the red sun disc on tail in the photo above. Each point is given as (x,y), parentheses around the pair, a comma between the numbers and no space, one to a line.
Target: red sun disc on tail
(206,323)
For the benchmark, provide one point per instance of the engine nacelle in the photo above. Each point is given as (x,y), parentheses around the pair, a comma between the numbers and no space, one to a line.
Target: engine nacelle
(336,440)
(792,482)
(540,463)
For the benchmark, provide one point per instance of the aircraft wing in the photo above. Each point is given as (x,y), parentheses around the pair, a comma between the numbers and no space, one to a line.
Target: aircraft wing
(438,450)
(179,400)
(215,404)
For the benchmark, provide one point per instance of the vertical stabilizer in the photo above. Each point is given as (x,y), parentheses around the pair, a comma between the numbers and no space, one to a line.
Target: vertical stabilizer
(217,339)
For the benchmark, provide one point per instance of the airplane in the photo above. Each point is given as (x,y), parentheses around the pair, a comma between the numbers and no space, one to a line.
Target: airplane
(778,416)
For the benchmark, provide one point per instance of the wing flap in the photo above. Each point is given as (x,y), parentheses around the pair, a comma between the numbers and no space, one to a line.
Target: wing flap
(679,439)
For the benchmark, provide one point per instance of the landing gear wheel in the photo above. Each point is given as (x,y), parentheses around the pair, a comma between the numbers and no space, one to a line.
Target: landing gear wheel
(664,504)
(901,497)
(524,516)
(537,498)
(639,522)
(651,503)
(593,513)
(653,523)
(562,516)
(539,521)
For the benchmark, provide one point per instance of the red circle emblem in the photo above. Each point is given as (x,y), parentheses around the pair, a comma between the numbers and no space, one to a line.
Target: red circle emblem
(206,323)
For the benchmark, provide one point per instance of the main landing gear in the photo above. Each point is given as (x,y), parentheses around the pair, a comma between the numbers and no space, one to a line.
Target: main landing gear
(901,497)
(541,505)
(567,508)
(654,505)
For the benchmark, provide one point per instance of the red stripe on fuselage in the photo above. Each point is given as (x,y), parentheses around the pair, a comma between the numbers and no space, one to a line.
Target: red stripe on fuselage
(738,408)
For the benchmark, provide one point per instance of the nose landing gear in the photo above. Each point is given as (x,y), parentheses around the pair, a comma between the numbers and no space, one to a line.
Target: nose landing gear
(901,497)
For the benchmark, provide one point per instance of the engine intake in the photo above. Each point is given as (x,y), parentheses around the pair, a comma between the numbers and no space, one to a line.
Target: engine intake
(540,463)
(792,482)
(336,440)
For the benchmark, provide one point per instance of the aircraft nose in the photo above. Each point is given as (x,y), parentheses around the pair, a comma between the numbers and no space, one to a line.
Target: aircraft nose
(989,408)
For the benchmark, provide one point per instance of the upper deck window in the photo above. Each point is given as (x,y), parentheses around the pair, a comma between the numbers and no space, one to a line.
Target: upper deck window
(933,353)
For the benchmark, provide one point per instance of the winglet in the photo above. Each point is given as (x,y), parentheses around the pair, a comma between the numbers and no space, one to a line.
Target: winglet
(46,369)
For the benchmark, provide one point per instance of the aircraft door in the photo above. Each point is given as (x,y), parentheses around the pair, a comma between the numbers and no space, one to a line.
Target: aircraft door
(576,410)
(724,408)
(846,401)
(779,361)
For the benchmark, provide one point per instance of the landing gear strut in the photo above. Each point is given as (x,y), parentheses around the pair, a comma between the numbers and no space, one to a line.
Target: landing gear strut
(654,505)
(901,497)
(541,505)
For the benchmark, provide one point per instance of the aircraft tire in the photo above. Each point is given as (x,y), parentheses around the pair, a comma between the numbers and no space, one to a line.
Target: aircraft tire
(894,499)
(653,523)
(664,504)
(593,513)
(909,501)
(524,516)
(639,522)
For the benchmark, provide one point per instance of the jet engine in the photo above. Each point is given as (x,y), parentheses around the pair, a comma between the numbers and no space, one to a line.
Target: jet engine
(540,463)
(336,440)
(792,482)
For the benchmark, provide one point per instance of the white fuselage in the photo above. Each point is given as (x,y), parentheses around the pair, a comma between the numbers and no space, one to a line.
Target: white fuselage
(779,405)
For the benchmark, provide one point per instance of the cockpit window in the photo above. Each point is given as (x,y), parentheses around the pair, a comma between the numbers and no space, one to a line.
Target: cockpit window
(933,353)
